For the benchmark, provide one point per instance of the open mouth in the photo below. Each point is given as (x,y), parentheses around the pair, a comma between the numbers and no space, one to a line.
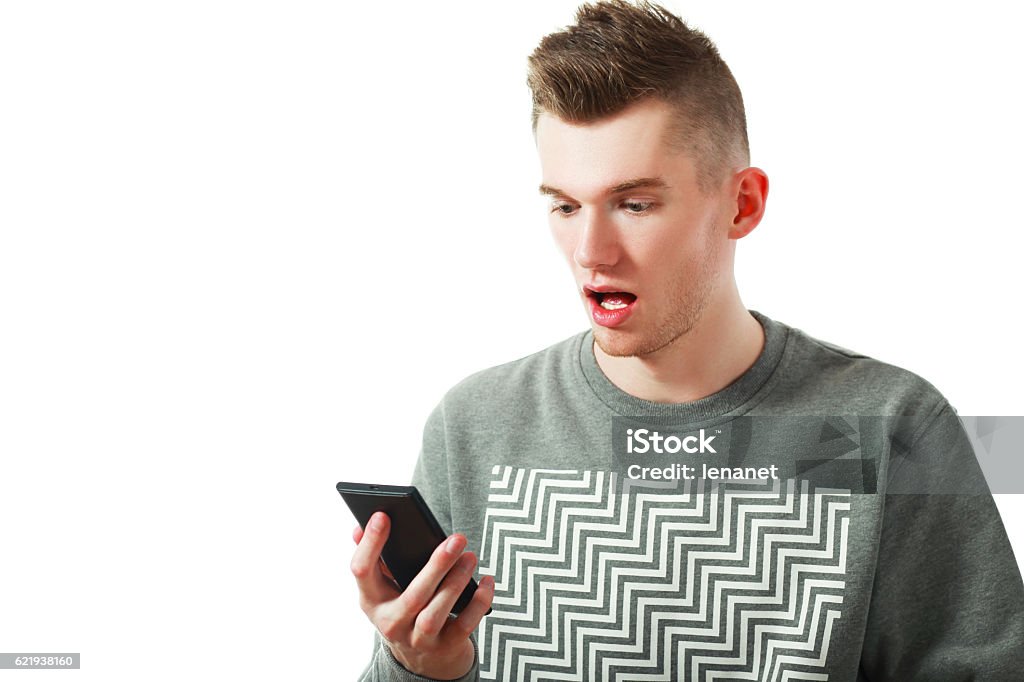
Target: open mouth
(612,300)
(609,308)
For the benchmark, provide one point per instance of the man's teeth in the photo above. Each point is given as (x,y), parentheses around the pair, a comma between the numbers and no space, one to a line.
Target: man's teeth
(608,305)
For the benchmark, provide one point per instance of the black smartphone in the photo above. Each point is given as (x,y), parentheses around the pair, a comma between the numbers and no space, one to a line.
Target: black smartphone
(415,532)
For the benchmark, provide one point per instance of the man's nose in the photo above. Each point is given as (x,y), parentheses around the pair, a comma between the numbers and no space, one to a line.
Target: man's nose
(598,243)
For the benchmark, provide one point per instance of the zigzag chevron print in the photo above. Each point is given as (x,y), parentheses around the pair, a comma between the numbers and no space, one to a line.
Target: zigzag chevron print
(598,578)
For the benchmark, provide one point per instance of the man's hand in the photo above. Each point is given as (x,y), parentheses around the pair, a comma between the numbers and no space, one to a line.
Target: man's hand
(415,623)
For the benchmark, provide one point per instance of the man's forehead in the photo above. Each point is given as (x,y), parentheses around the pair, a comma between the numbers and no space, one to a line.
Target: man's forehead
(632,125)
(597,157)
(583,172)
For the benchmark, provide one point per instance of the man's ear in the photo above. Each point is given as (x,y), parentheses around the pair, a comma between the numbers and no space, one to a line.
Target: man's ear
(750,194)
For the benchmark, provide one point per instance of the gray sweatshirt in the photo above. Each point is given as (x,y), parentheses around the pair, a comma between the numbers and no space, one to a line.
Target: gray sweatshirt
(823,517)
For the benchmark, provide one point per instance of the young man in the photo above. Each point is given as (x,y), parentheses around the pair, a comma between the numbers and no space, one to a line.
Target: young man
(856,540)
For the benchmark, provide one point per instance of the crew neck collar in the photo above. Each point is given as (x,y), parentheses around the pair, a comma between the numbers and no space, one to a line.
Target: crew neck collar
(734,398)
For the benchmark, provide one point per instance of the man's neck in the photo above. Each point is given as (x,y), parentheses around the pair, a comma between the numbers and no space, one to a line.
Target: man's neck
(719,349)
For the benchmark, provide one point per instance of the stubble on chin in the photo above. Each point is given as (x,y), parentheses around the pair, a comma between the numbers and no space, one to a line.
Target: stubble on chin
(686,308)
(621,345)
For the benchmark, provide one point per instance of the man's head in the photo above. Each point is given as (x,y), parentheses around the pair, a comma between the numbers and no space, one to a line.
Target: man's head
(643,150)
(618,53)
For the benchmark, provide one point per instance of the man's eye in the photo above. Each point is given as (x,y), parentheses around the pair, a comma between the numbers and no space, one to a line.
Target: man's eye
(638,207)
(564,209)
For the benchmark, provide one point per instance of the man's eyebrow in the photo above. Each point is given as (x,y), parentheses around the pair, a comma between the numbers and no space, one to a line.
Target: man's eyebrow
(652,183)
(635,183)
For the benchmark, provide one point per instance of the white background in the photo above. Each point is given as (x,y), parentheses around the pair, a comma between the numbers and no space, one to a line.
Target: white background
(246,247)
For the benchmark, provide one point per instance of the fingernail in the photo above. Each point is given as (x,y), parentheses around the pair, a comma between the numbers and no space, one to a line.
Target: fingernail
(377,522)
(455,543)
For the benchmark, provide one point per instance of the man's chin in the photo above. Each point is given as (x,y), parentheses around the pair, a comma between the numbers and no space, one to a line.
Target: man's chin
(617,343)
(621,344)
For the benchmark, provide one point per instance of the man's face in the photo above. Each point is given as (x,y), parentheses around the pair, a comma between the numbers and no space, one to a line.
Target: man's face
(648,251)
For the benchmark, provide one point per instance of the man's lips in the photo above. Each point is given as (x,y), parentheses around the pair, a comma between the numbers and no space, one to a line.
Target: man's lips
(610,305)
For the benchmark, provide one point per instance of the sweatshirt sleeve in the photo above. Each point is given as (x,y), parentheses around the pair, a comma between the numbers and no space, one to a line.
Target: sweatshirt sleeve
(430,476)
(948,599)
(384,667)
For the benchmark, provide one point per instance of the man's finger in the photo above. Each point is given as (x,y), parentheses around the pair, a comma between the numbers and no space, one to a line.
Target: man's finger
(435,615)
(424,585)
(366,564)
(357,535)
(475,610)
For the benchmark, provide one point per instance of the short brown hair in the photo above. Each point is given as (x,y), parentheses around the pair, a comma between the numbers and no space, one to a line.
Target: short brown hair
(617,53)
